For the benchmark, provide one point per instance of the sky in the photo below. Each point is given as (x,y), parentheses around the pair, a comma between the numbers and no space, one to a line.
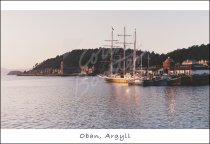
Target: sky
(28,37)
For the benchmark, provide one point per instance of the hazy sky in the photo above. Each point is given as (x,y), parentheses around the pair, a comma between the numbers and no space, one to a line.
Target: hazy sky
(28,37)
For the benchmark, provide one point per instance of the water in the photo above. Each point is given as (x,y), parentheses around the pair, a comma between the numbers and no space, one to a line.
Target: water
(89,102)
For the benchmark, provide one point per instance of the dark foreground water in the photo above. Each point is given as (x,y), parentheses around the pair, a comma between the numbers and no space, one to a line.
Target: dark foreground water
(89,102)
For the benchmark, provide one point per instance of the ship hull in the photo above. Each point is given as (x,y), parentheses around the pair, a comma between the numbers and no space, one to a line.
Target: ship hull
(135,82)
(200,80)
(174,81)
(116,80)
(161,82)
(195,80)
(148,83)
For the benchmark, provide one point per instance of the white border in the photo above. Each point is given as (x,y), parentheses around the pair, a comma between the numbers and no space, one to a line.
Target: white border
(105,5)
(73,135)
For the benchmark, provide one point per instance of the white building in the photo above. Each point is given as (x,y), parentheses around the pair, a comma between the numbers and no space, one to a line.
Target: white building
(191,69)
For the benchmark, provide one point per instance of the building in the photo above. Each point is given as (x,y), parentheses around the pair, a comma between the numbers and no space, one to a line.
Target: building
(191,69)
(203,62)
(87,70)
(155,70)
(168,65)
(189,62)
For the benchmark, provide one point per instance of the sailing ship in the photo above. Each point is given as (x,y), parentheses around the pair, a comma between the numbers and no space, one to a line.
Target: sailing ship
(135,80)
(117,78)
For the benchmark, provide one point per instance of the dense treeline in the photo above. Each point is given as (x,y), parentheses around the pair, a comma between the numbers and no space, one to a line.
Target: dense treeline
(100,57)
(49,63)
(194,52)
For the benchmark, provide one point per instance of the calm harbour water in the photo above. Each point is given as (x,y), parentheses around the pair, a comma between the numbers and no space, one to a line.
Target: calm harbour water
(90,102)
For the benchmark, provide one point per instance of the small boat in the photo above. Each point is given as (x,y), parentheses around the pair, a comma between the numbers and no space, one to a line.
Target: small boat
(159,81)
(148,82)
(101,76)
(174,81)
(137,81)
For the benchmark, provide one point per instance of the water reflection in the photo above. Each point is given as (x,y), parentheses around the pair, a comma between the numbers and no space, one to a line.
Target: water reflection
(171,99)
(126,94)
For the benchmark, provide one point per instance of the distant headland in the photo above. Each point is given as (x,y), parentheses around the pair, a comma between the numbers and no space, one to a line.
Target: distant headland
(15,73)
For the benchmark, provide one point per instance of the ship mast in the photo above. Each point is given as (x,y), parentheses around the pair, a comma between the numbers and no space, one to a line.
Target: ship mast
(148,66)
(141,63)
(111,57)
(124,47)
(134,56)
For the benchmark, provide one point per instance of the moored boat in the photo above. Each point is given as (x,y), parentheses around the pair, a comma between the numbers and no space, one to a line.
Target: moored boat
(116,80)
(159,81)
(174,81)
(186,80)
(148,82)
(200,79)
(195,80)
(137,81)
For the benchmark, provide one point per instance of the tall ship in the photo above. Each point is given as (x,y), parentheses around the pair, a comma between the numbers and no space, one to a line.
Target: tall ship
(116,78)
(135,80)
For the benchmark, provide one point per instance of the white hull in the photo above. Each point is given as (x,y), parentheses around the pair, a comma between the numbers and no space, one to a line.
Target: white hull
(135,82)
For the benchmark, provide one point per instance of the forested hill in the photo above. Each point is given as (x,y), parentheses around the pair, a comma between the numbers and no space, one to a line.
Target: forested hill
(99,57)
(194,52)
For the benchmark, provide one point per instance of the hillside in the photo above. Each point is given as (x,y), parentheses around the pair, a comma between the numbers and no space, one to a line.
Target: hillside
(194,52)
(99,58)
